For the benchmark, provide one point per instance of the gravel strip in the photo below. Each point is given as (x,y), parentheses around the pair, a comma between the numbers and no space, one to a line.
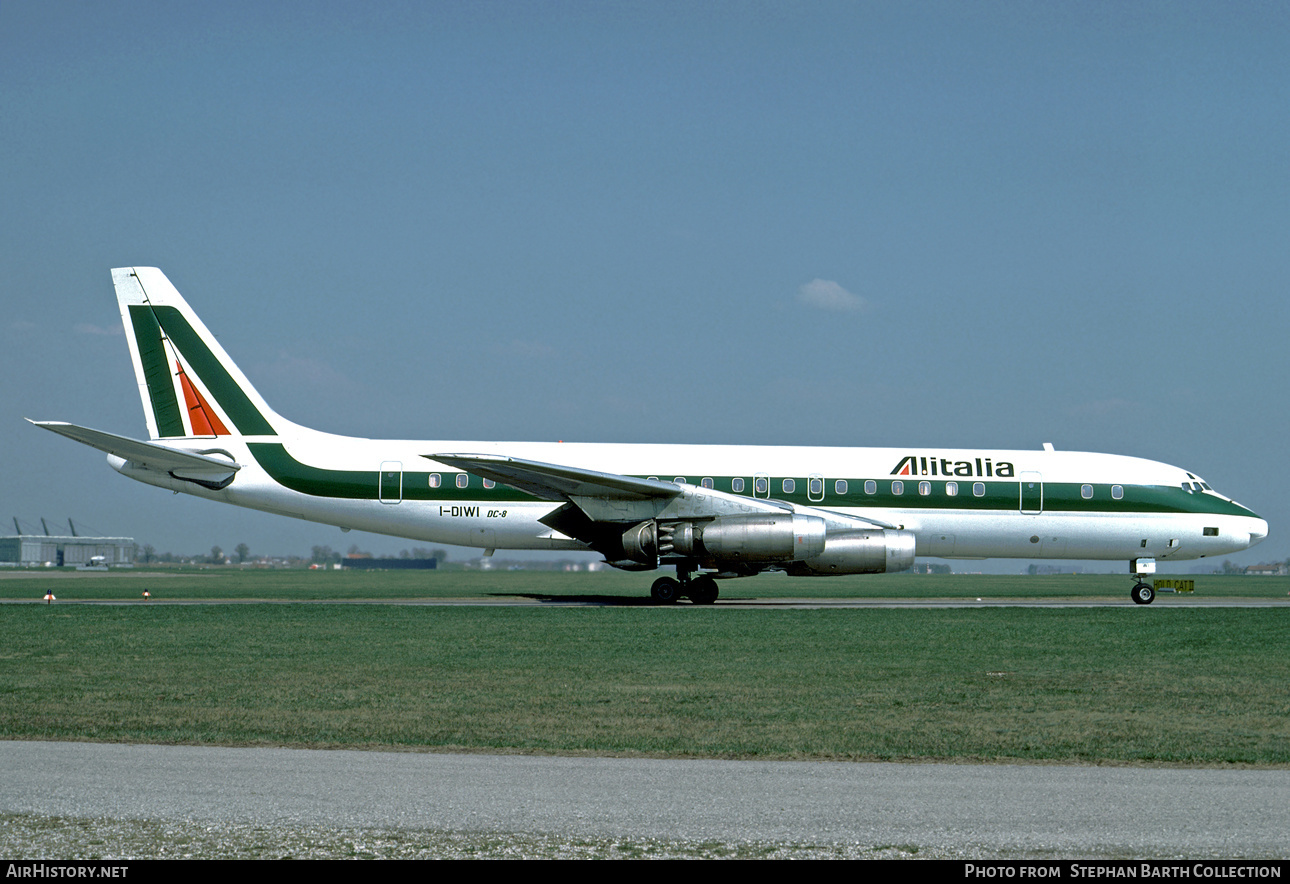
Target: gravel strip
(38,837)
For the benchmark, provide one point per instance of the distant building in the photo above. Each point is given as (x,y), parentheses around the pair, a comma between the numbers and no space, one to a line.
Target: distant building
(1268,569)
(1035,570)
(42,549)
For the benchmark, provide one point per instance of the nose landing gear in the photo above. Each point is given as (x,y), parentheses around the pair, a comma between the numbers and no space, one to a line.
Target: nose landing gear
(1143,593)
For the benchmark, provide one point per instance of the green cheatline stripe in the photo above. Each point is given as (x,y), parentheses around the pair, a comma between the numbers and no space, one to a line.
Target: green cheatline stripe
(999,496)
(156,372)
(236,404)
(315,481)
(366,484)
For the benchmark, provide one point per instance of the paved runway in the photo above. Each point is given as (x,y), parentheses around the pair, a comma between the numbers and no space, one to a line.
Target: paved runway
(976,809)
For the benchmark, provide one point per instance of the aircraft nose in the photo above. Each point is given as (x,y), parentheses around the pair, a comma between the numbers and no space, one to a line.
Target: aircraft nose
(1258,531)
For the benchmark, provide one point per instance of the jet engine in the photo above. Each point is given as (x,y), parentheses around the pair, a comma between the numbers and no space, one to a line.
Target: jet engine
(800,544)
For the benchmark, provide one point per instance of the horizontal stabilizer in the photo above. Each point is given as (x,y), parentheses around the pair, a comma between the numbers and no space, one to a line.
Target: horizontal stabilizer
(148,455)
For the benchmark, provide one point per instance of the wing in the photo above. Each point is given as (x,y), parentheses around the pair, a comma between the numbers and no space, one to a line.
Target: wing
(552,482)
(603,497)
(610,497)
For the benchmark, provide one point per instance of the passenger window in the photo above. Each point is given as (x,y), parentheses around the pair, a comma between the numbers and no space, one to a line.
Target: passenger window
(462,480)
(870,486)
(815,487)
(706,482)
(1086,492)
(840,486)
(680,480)
(760,485)
(924,488)
(489,483)
(434,480)
(978,489)
(1117,492)
(897,487)
(737,486)
(951,489)
(789,486)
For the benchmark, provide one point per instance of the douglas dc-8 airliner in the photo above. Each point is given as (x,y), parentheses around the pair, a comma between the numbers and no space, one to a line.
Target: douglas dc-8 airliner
(710,511)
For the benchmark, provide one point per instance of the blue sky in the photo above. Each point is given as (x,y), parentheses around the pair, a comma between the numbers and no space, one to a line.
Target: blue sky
(914,224)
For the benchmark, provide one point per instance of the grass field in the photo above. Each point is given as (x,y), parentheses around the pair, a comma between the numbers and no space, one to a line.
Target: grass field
(252,583)
(1170,683)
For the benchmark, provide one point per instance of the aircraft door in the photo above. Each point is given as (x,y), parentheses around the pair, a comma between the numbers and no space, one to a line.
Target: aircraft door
(391,479)
(1032,493)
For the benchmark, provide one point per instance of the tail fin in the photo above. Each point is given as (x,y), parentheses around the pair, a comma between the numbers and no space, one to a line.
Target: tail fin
(189,385)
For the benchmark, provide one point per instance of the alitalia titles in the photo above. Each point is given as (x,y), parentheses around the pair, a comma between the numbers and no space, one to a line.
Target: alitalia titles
(916,465)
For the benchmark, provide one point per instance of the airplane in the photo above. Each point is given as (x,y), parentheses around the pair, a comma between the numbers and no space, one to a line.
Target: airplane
(710,511)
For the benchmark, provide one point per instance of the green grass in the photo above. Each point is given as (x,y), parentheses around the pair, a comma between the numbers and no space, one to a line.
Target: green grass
(1165,684)
(230,582)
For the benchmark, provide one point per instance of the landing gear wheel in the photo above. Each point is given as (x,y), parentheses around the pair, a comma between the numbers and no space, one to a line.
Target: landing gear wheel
(703,590)
(665,591)
(1143,594)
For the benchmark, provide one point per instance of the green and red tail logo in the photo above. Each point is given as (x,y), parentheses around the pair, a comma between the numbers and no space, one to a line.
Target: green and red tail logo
(212,399)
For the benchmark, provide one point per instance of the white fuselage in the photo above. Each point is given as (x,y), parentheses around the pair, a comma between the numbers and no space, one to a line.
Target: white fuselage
(1031,504)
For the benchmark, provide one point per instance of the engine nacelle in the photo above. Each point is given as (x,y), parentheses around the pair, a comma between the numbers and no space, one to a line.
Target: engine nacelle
(764,537)
(860,552)
(761,538)
(640,544)
(800,544)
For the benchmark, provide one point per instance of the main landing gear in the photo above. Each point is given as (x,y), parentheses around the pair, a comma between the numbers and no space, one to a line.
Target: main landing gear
(701,590)
(1143,593)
